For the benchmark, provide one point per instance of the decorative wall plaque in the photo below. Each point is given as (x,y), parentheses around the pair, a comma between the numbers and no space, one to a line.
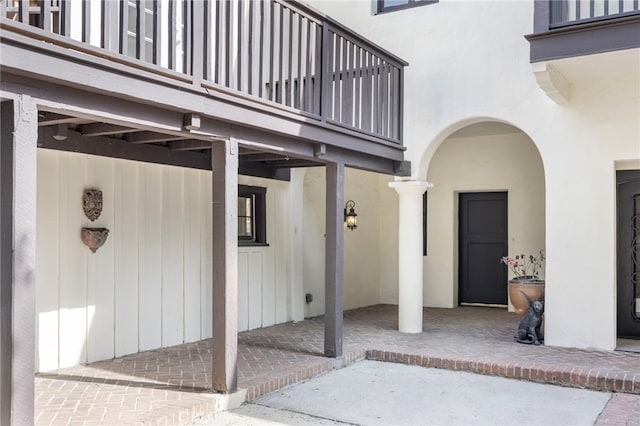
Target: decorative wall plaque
(94,238)
(92,203)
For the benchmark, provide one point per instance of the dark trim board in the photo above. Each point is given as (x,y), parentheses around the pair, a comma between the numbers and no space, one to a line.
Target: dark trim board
(585,39)
(382,9)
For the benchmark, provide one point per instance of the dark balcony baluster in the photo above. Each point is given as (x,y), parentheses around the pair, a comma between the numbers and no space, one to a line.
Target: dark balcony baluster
(570,12)
(277,50)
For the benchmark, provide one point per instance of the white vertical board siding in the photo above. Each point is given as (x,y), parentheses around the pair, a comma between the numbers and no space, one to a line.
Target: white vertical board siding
(73,262)
(283,256)
(206,265)
(150,284)
(192,261)
(264,281)
(267,277)
(47,262)
(150,257)
(267,263)
(125,241)
(243,291)
(172,260)
(100,300)
(255,289)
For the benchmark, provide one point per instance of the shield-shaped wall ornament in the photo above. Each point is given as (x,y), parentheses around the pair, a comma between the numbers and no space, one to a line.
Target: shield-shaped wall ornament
(92,203)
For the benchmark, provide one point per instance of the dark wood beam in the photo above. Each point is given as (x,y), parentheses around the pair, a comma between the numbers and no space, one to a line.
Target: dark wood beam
(224,377)
(291,163)
(244,151)
(189,145)
(117,148)
(150,137)
(104,129)
(51,118)
(261,156)
(334,262)
(17,259)
(264,171)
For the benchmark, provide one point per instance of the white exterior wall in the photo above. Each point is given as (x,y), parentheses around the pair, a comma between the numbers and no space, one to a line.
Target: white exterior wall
(469,62)
(361,246)
(149,286)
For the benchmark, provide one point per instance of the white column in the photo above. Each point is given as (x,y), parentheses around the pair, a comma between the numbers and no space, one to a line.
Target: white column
(410,254)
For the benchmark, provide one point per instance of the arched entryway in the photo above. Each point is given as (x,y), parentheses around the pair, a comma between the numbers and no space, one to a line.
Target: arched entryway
(487,176)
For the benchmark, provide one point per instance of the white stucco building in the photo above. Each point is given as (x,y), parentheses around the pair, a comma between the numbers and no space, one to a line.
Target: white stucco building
(520,120)
(486,110)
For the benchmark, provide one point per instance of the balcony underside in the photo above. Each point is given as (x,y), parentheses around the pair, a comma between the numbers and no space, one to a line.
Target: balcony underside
(79,121)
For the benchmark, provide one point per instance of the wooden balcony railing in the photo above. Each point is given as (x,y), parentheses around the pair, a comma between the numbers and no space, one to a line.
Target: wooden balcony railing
(279,52)
(571,12)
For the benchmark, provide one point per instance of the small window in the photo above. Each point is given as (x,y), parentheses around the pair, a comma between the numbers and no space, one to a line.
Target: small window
(391,5)
(252,223)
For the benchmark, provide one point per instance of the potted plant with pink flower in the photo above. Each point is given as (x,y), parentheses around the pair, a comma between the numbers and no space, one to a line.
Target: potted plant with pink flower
(526,284)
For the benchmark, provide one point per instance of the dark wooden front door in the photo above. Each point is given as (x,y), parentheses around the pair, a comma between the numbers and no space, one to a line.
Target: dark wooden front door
(628,253)
(482,242)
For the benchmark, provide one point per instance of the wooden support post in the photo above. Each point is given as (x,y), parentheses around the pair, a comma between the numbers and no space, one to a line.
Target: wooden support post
(334,262)
(18,139)
(225,266)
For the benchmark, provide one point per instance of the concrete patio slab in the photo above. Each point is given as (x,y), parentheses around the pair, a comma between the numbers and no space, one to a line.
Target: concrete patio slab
(376,393)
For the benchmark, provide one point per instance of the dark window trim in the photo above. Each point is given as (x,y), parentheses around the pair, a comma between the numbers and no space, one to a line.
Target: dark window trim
(424,224)
(260,214)
(411,3)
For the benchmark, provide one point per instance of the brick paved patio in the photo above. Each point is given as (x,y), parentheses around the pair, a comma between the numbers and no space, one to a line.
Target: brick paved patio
(169,386)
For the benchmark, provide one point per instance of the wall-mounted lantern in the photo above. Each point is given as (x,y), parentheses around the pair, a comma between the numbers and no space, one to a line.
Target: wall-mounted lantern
(350,218)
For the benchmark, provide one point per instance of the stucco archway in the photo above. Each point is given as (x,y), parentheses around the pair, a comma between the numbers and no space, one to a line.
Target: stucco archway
(479,156)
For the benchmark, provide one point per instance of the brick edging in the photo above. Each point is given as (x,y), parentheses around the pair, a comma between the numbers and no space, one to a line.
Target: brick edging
(571,377)
(323,366)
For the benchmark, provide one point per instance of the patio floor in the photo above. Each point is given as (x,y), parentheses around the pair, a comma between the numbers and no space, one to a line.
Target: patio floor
(169,385)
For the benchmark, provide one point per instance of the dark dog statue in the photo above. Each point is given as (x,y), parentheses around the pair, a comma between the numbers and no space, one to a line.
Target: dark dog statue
(529,327)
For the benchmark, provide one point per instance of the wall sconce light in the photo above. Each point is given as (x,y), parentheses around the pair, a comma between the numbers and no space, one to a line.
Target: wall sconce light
(350,218)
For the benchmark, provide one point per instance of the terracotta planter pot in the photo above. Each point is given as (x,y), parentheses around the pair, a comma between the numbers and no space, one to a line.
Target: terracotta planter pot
(521,289)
